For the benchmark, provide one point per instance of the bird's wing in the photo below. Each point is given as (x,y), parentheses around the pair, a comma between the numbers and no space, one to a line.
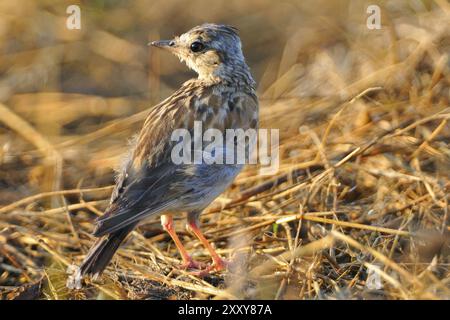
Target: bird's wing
(150,182)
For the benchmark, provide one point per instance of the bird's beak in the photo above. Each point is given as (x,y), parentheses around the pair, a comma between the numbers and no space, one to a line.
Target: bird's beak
(164,44)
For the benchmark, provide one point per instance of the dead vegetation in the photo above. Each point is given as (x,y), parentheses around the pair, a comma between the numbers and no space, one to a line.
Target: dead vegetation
(358,210)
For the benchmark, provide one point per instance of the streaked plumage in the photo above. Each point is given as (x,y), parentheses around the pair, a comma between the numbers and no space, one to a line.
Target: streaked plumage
(149,183)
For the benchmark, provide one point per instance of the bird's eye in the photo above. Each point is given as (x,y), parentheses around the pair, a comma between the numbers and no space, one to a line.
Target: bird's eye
(197,46)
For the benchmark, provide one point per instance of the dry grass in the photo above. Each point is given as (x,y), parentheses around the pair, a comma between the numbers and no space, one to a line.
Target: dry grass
(359,208)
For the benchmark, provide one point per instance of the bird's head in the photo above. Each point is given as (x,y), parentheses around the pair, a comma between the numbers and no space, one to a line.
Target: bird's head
(211,50)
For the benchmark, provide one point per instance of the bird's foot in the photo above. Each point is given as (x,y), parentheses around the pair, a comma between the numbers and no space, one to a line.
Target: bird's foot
(216,266)
(191,264)
(200,269)
(219,264)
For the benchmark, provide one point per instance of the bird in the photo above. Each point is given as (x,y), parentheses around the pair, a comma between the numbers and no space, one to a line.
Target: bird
(149,183)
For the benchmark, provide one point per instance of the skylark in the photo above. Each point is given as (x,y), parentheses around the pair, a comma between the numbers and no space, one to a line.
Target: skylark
(150,183)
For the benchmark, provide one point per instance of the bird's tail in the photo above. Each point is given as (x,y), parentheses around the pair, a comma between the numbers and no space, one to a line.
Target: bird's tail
(98,257)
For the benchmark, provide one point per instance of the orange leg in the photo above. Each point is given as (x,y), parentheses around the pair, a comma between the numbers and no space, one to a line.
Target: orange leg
(167,224)
(218,263)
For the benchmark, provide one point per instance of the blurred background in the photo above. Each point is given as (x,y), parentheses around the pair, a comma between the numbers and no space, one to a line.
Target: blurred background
(71,99)
(67,83)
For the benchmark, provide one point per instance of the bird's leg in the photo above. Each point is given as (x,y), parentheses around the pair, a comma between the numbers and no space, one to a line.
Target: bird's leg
(167,224)
(218,263)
